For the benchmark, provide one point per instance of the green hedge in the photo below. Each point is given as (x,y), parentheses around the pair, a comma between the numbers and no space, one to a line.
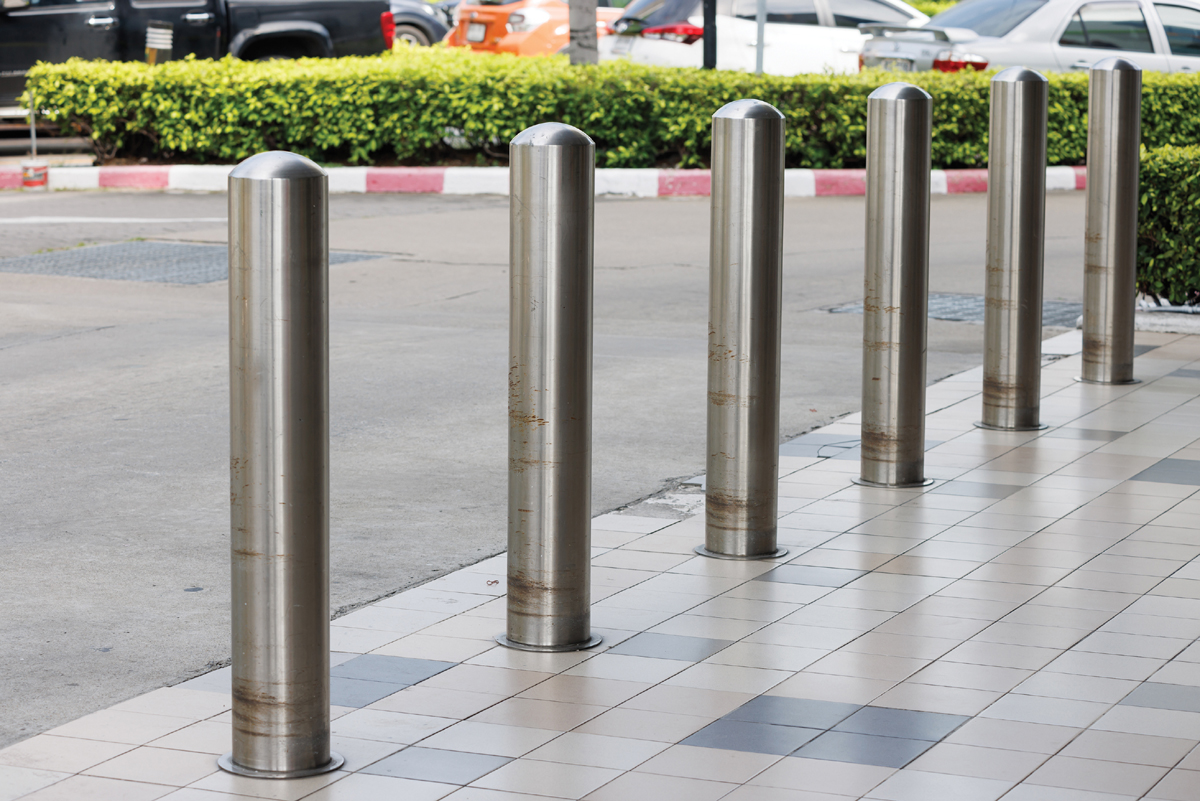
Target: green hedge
(1168,249)
(401,106)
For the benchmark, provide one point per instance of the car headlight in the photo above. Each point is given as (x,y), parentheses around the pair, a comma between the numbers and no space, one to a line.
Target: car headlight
(428,9)
(527,20)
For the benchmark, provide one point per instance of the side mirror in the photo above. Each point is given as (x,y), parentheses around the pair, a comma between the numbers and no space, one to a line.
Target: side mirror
(11,4)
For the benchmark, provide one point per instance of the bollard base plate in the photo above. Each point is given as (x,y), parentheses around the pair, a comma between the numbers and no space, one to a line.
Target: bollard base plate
(226,763)
(775,554)
(1080,379)
(590,642)
(862,482)
(989,427)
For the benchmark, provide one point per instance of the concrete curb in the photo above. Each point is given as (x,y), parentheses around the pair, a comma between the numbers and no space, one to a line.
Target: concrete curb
(494,180)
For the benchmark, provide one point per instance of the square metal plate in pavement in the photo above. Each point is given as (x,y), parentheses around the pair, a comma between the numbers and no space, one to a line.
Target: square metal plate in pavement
(390,669)
(887,722)
(758,738)
(783,711)
(864,749)
(670,646)
(815,576)
(435,765)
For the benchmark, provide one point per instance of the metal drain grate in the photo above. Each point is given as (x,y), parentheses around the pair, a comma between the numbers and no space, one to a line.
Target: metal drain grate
(167,262)
(969,309)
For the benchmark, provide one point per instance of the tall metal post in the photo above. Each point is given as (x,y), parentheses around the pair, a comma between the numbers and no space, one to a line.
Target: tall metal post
(1012,320)
(1110,244)
(552,169)
(745,279)
(896,296)
(710,34)
(279,466)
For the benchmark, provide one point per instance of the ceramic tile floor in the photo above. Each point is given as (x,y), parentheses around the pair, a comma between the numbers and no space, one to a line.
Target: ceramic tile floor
(1026,629)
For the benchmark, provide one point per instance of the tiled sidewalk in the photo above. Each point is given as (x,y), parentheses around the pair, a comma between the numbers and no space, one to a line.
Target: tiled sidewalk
(1023,629)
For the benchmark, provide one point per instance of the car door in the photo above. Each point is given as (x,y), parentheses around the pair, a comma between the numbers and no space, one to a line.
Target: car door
(1095,31)
(792,41)
(54,31)
(194,27)
(1181,26)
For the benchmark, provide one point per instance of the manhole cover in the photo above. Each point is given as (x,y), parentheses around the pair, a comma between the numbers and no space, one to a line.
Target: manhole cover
(168,262)
(969,309)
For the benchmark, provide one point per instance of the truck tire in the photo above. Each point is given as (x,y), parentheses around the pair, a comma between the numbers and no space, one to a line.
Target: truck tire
(411,35)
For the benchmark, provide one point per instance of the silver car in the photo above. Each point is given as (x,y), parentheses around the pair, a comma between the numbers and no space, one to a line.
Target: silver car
(1047,35)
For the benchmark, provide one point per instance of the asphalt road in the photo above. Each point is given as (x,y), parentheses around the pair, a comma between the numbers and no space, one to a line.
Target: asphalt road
(114,401)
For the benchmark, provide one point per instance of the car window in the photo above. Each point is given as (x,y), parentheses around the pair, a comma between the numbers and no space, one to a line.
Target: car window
(788,12)
(986,17)
(1183,29)
(1110,26)
(57,2)
(662,12)
(852,13)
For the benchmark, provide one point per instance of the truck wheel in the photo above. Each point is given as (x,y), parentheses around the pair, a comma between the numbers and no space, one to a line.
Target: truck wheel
(409,35)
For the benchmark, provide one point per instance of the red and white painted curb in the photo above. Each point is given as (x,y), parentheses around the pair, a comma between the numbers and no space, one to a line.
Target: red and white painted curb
(494,180)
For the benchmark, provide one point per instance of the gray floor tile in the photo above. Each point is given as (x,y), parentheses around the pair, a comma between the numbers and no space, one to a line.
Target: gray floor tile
(864,749)
(794,712)
(434,765)
(1179,697)
(670,646)
(1185,372)
(1096,434)
(1139,350)
(1172,471)
(815,576)
(744,735)
(906,723)
(975,489)
(390,669)
(358,693)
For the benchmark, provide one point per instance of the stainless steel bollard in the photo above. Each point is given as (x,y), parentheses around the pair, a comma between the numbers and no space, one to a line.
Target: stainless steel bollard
(1012,327)
(279,467)
(1110,244)
(896,296)
(552,169)
(745,278)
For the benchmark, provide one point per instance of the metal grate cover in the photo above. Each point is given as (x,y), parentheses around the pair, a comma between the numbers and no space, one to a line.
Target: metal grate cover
(167,262)
(969,309)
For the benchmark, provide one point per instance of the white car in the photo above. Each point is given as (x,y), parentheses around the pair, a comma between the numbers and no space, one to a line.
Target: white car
(801,35)
(1046,35)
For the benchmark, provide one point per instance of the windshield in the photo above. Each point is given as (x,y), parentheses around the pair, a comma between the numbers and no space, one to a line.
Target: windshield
(986,17)
(661,12)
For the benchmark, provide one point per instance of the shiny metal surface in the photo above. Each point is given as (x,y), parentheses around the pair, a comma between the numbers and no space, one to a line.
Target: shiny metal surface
(896,285)
(279,466)
(745,282)
(1012,326)
(1110,246)
(552,169)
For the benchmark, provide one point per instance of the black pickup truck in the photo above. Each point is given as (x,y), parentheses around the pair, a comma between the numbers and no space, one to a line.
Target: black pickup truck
(124,30)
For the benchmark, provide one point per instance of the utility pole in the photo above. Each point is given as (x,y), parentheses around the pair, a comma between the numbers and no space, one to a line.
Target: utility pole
(710,34)
(582,46)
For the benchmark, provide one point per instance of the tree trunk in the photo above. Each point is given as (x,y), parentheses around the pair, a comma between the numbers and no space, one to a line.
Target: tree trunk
(582,47)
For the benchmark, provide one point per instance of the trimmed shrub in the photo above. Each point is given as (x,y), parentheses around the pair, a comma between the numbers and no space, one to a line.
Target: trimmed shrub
(403,106)
(1168,218)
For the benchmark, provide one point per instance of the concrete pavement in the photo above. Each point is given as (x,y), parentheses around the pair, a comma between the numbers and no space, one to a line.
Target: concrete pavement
(115,399)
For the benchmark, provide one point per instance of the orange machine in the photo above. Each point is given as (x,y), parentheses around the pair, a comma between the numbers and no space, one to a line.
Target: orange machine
(523,27)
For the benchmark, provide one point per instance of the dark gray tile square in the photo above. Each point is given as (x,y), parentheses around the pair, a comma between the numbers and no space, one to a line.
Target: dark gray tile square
(670,646)
(359,693)
(976,489)
(815,576)
(1186,372)
(435,765)
(905,723)
(793,712)
(1165,696)
(864,749)
(390,669)
(1172,471)
(1139,350)
(1094,434)
(743,735)
(818,445)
